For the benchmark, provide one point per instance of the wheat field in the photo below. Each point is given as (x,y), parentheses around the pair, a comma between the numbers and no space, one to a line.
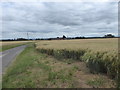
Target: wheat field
(101,55)
(110,44)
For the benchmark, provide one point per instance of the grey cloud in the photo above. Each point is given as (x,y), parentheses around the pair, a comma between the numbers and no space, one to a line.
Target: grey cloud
(55,19)
(42,31)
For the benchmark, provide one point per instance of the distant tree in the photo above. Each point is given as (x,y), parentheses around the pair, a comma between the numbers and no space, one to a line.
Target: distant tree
(79,37)
(21,39)
(109,36)
(64,36)
(49,39)
(83,37)
(41,39)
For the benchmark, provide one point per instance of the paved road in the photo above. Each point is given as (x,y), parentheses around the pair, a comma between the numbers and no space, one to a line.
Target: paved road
(7,56)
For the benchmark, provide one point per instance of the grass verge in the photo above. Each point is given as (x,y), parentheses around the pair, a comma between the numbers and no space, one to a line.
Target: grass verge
(35,66)
(6,47)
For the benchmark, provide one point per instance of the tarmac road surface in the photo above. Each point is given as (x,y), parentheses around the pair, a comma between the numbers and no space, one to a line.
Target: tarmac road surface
(6,57)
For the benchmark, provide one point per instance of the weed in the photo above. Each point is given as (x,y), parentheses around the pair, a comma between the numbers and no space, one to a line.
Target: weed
(75,68)
(44,66)
(52,76)
(47,62)
(97,82)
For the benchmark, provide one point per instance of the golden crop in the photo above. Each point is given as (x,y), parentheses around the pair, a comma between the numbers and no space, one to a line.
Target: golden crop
(101,55)
(110,44)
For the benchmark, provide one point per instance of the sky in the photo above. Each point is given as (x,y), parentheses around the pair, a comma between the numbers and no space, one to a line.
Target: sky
(55,19)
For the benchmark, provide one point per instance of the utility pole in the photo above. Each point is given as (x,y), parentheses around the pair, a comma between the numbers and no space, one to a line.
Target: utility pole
(27,36)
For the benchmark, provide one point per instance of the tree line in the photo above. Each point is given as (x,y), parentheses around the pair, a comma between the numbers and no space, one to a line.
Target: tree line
(60,38)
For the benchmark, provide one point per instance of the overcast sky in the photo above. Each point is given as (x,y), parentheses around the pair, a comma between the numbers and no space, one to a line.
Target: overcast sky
(54,19)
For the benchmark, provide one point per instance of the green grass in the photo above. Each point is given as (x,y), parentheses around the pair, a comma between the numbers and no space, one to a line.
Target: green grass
(75,68)
(17,70)
(6,47)
(44,66)
(97,82)
(32,70)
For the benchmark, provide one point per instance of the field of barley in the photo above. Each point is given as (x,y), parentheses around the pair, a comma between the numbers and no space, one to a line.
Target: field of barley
(100,55)
(109,44)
